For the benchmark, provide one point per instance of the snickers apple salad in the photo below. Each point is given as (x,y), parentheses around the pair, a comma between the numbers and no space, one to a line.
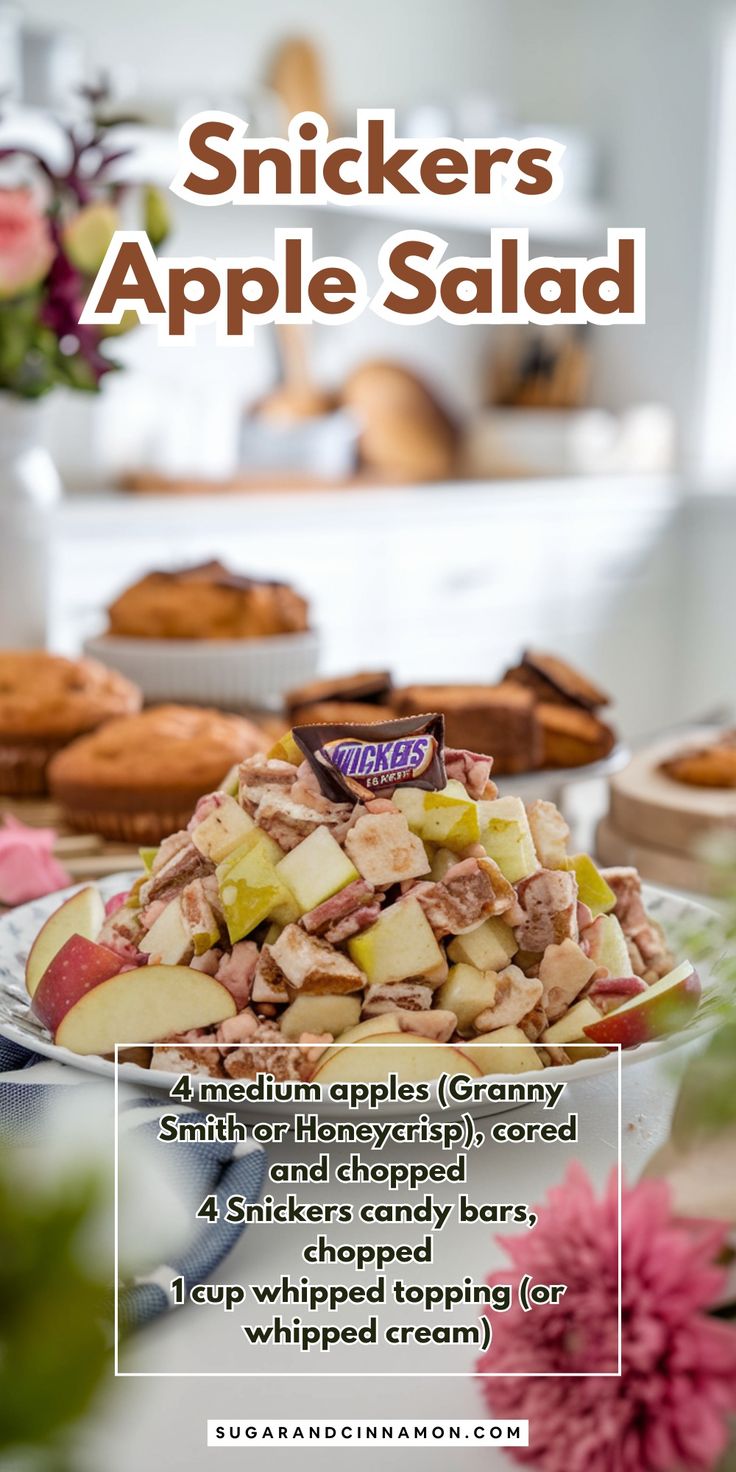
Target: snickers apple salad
(362,883)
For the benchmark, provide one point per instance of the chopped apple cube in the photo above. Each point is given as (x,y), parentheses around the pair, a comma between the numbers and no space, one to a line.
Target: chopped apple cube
(507,838)
(250,888)
(401,943)
(333,1014)
(593,890)
(490,946)
(449,817)
(606,945)
(467,992)
(488,1052)
(442,860)
(316,869)
(570,1028)
(286,750)
(223,830)
(169,941)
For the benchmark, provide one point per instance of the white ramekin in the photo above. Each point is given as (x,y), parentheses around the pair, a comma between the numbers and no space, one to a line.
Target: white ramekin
(233,673)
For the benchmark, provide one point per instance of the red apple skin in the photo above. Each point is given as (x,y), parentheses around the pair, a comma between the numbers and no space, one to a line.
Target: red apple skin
(80,965)
(654,1017)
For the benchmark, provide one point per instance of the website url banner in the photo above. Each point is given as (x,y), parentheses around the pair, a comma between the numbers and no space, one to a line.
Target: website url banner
(245,1434)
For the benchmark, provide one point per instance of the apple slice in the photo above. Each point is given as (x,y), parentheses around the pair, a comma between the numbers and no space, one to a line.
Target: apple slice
(82,914)
(416,1060)
(143,1006)
(663,1008)
(73,971)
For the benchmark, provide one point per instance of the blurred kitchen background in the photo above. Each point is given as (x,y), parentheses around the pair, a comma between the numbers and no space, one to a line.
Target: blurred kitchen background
(512,486)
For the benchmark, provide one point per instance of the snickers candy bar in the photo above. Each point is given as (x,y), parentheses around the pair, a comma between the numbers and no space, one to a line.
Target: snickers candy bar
(372,760)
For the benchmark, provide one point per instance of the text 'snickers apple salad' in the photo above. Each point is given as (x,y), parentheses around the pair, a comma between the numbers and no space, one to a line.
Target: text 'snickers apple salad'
(362,882)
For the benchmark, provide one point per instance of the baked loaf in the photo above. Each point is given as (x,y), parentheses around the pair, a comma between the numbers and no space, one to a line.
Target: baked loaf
(133,777)
(405,432)
(45,702)
(206,602)
(496,718)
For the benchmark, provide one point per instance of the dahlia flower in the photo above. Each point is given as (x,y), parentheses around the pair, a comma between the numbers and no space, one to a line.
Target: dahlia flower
(668,1410)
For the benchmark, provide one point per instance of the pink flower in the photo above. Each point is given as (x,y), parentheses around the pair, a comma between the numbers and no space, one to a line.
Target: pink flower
(668,1409)
(26,245)
(28,868)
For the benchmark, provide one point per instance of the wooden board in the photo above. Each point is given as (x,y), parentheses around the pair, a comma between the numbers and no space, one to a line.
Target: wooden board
(650,808)
(658,866)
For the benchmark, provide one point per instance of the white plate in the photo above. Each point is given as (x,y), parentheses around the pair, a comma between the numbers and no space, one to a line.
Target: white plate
(19,928)
(235,673)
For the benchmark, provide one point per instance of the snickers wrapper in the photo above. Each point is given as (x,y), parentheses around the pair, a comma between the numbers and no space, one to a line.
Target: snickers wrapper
(356,762)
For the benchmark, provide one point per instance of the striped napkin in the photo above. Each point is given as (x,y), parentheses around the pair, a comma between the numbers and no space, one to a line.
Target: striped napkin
(31,1087)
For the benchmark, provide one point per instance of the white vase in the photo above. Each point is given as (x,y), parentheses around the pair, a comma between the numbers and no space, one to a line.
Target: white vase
(29,491)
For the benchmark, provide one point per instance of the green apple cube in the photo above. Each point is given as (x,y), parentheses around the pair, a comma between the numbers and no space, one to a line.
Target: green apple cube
(448,817)
(606,944)
(507,838)
(223,830)
(489,947)
(250,888)
(147,857)
(400,944)
(593,890)
(467,992)
(316,869)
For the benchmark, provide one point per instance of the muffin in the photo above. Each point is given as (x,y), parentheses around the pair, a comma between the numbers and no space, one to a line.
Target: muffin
(46,701)
(206,602)
(138,779)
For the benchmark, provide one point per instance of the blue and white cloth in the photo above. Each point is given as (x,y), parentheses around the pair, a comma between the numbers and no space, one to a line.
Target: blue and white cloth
(30,1085)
